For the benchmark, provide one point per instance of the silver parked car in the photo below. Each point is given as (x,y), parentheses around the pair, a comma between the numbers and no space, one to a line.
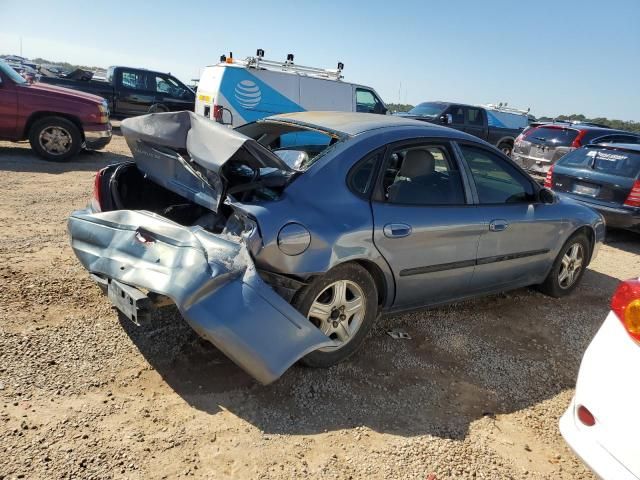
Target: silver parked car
(286,238)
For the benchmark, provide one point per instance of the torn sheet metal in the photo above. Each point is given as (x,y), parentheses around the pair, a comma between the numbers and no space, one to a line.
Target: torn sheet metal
(398,334)
(211,279)
(185,153)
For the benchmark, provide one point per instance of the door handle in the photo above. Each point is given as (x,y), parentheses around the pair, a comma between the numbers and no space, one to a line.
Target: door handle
(498,225)
(396,230)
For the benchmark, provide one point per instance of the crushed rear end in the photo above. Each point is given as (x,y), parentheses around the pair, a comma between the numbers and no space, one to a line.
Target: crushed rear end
(195,253)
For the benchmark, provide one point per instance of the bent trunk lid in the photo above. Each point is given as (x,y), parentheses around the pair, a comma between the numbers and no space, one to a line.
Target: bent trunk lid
(185,153)
(211,279)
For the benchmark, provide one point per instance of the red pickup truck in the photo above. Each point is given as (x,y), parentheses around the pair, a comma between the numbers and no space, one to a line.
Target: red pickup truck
(58,122)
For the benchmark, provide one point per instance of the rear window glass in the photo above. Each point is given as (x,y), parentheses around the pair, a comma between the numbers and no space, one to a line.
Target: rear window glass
(553,136)
(299,146)
(613,162)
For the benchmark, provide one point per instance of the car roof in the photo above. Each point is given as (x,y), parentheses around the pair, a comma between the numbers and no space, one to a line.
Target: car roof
(583,126)
(352,123)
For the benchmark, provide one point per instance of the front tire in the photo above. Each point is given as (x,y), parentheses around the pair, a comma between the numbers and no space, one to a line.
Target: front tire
(568,268)
(343,304)
(55,139)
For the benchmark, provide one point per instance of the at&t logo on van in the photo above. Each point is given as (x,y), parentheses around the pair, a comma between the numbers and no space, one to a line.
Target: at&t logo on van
(248,94)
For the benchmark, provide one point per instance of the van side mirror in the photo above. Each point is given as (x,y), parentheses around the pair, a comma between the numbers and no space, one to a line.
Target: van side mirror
(546,195)
(446,118)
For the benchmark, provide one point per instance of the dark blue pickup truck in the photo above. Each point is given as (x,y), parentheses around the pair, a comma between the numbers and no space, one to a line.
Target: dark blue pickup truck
(489,125)
(134,91)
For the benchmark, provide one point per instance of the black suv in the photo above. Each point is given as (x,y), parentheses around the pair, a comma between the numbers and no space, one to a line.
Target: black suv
(540,146)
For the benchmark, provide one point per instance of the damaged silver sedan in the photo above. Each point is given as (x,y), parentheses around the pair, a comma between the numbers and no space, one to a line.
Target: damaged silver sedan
(284,239)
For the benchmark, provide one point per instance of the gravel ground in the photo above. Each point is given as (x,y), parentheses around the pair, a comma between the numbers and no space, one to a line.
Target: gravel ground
(476,393)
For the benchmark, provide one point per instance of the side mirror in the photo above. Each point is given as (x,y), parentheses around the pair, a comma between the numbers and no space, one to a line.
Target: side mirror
(446,118)
(546,195)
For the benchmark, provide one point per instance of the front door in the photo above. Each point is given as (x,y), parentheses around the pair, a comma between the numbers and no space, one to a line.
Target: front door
(424,225)
(8,108)
(517,244)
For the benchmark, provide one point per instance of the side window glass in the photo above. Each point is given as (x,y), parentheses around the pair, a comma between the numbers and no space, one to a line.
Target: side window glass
(496,181)
(457,113)
(365,100)
(134,80)
(474,117)
(169,86)
(423,175)
(362,176)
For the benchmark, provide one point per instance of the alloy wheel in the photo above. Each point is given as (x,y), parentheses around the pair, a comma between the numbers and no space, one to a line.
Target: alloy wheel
(338,311)
(571,266)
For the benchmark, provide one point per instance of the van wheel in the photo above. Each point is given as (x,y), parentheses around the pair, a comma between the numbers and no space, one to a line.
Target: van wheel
(55,138)
(343,304)
(568,268)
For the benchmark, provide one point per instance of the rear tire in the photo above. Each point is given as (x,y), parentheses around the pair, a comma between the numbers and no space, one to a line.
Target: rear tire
(337,314)
(506,148)
(55,139)
(568,268)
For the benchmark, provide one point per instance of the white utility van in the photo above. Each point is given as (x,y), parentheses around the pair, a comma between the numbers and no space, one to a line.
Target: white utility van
(235,92)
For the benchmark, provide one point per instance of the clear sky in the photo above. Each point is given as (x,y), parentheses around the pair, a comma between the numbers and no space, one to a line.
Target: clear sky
(561,56)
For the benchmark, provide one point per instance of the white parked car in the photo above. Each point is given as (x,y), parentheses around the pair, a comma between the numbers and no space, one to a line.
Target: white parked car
(602,424)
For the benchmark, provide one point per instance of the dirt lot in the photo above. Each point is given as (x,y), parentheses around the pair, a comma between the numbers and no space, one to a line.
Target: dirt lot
(476,393)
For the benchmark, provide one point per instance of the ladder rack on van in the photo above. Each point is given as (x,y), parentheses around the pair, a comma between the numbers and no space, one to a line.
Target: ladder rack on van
(260,63)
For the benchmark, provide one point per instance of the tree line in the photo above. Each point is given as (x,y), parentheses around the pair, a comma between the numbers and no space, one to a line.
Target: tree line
(629,126)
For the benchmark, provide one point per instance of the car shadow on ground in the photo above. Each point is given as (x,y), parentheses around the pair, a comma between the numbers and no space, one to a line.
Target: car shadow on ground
(624,240)
(20,159)
(480,358)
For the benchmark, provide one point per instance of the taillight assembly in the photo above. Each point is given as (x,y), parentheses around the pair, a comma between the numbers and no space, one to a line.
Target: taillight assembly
(96,199)
(217,113)
(585,416)
(577,142)
(633,200)
(548,180)
(625,303)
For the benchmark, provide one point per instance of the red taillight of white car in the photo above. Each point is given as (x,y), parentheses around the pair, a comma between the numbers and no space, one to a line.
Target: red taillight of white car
(96,199)
(548,181)
(625,303)
(633,200)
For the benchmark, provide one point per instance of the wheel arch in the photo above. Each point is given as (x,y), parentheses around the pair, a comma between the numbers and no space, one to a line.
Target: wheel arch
(36,116)
(590,233)
(508,140)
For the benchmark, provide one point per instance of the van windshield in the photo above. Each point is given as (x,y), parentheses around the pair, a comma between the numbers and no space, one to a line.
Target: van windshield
(298,146)
(11,73)
(614,162)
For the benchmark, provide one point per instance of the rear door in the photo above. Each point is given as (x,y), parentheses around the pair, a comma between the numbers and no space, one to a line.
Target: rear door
(135,91)
(424,224)
(457,113)
(597,174)
(520,234)
(475,122)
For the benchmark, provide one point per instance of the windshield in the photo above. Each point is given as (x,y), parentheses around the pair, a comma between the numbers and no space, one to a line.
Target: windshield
(298,146)
(613,162)
(428,109)
(11,73)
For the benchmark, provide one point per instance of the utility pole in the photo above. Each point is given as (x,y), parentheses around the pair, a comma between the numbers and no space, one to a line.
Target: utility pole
(20,46)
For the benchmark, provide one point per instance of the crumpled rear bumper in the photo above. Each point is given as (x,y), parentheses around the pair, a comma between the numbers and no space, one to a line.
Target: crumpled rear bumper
(211,279)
